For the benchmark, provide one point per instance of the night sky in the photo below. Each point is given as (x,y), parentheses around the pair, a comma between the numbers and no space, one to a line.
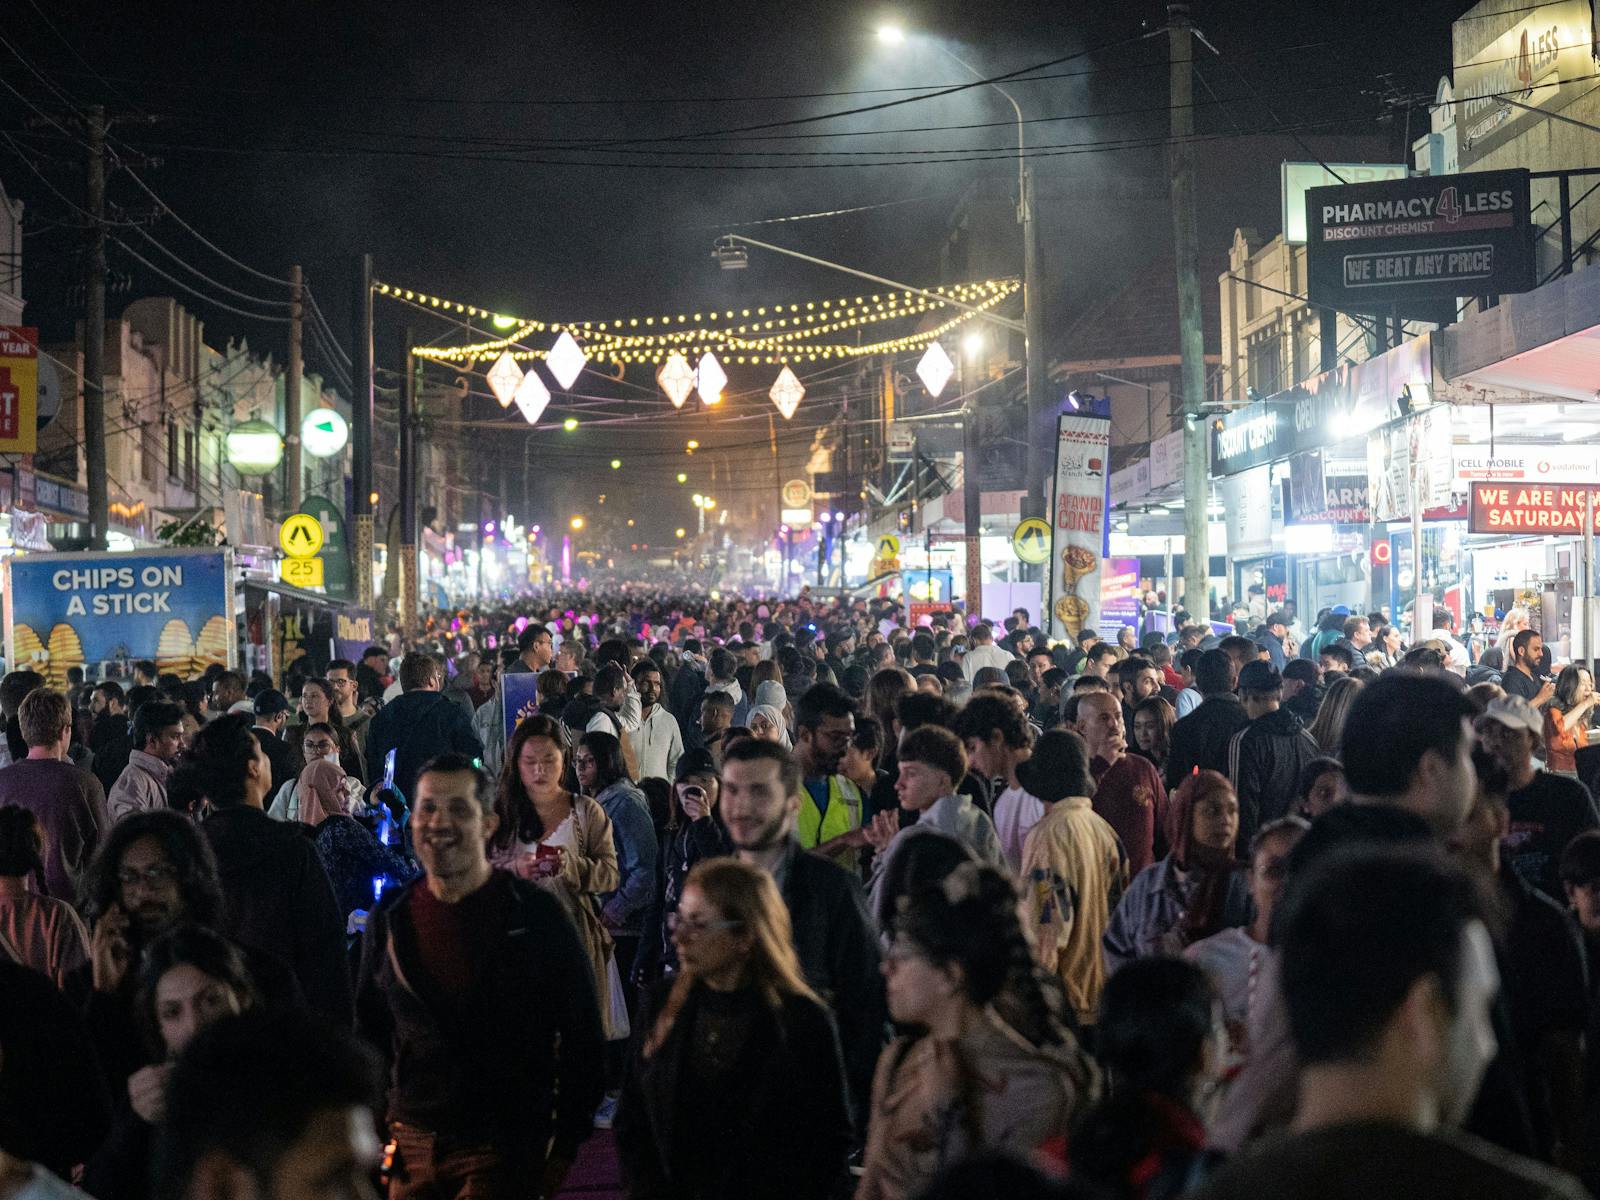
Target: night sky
(572,160)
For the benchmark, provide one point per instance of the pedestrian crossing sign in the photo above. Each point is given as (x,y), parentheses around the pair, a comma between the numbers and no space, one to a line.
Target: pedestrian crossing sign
(1031,541)
(300,536)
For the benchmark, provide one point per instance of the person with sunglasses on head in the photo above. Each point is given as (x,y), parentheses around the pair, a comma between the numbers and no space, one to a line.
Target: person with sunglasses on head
(738,1087)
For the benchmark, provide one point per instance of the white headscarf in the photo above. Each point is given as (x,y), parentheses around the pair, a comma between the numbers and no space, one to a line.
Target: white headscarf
(775,715)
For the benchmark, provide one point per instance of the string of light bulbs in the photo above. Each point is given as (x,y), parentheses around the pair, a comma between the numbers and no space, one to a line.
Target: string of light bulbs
(605,337)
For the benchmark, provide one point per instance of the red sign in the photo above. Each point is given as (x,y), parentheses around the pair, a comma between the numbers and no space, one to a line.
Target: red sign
(1381,553)
(919,610)
(1529,508)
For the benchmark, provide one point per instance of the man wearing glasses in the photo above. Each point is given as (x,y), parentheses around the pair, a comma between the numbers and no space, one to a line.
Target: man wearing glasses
(830,819)
(346,693)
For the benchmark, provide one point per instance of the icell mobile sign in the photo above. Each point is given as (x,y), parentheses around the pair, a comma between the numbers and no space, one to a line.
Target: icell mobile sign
(1412,244)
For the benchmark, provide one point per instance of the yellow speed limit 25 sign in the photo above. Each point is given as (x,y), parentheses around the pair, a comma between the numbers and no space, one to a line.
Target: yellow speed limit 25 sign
(303,572)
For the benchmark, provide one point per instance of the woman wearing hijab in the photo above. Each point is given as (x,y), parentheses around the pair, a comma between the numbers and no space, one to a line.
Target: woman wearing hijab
(358,864)
(766,723)
(1192,893)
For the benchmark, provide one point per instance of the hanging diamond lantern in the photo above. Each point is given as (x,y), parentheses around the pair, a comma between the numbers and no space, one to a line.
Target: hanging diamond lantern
(531,397)
(504,378)
(566,360)
(710,379)
(787,392)
(676,378)
(935,369)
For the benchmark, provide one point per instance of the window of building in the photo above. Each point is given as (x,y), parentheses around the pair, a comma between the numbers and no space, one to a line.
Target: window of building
(149,451)
(173,462)
(1266,363)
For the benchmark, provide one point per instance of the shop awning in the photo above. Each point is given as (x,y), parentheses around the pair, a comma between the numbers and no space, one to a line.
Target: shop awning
(1529,349)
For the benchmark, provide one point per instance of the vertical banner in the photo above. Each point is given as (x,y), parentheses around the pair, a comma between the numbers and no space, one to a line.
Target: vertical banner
(19,389)
(1077,524)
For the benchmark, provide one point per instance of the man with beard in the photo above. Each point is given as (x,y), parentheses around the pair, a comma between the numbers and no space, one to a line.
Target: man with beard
(1547,810)
(658,742)
(762,793)
(830,818)
(154,872)
(476,985)
(1392,1020)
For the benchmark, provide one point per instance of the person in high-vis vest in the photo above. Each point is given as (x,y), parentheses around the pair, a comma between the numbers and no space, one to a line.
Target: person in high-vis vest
(831,817)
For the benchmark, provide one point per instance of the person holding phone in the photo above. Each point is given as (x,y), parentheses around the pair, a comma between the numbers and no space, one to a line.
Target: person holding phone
(550,835)
(694,833)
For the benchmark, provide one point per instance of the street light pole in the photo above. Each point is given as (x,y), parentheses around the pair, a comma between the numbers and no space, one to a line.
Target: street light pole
(1040,439)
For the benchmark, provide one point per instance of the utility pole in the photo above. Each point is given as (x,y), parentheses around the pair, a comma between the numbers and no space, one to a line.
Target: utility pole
(291,395)
(94,335)
(408,592)
(1185,238)
(971,497)
(1041,431)
(361,434)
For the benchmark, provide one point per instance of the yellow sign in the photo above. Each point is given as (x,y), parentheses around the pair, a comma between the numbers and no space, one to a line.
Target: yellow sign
(301,537)
(303,572)
(888,546)
(19,389)
(1030,541)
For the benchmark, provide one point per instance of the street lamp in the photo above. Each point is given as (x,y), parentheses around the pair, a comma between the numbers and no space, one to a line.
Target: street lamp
(576,523)
(1032,312)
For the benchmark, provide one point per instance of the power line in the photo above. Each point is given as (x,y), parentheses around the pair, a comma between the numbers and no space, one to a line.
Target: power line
(193,291)
(144,233)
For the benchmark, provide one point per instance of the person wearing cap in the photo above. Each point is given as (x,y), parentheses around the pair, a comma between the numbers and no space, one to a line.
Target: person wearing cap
(1266,757)
(1272,637)
(271,709)
(1074,870)
(1547,810)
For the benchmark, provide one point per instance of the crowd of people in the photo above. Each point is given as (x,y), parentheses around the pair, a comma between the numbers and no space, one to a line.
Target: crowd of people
(799,901)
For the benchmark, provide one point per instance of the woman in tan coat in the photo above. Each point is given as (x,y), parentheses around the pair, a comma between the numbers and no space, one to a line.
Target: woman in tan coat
(555,837)
(991,1067)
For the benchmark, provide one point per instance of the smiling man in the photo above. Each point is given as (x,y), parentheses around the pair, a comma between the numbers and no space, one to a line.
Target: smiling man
(475,983)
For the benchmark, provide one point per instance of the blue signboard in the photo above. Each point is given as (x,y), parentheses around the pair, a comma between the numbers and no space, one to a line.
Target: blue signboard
(521,693)
(92,610)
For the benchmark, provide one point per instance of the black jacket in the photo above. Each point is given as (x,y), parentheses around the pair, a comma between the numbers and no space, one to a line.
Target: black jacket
(55,1108)
(1201,739)
(420,725)
(285,759)
(794,1135)
(1265,760)
(109,741)
(684,694)
(680,850)
(838,952)
(532,1046)
(278,899)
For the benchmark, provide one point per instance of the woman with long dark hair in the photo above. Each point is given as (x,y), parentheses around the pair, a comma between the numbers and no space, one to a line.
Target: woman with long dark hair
(549,834)
(319,705)
(1567,719)
(1192,893)
(1327,731)
(959,960)
(736,1049)
(188,979)
(1153,719)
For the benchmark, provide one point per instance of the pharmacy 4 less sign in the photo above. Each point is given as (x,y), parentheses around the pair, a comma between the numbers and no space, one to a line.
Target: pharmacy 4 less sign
(173,606)
(1417,244)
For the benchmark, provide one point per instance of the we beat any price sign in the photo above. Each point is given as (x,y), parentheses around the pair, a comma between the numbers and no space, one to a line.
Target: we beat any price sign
(1528,508)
